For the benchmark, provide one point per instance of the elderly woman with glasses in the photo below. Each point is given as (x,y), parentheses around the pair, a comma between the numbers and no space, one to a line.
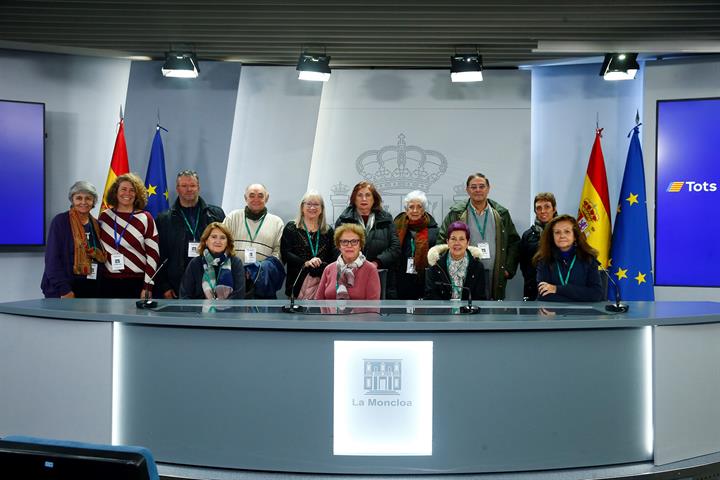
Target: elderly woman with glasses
(417,232)
(306,245)
(351,277)
(74,254)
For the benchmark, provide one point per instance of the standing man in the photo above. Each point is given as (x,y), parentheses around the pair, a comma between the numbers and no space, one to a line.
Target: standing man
(545,210)
(491,230)
(180,229)
(257,233)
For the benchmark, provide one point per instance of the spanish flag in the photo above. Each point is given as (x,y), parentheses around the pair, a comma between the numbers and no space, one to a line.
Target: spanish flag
(118,163)
(594,210)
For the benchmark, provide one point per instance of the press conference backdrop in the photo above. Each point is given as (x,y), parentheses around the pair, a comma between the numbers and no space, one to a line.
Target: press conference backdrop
(22,162)
(687,193)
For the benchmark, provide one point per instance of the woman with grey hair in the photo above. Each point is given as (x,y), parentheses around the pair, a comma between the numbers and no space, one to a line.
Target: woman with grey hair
(74,253)
(306,245)
(417,231)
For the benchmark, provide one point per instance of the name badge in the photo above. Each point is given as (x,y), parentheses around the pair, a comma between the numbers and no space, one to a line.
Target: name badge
(117,262)
(193,249)
(410,266)
(250,255)
(484,250)
(93,271)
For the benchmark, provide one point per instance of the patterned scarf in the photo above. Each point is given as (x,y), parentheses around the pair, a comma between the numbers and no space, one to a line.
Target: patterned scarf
(220,285)
(420,227)
(346,276)
(457,270)
(84,254)
(370,222)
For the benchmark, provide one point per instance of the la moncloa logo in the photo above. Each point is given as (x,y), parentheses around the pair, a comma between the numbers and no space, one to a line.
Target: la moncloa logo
(383,376)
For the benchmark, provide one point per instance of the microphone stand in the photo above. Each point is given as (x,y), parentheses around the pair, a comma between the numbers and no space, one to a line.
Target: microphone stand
(468,309)
(616,307)
(292,308)
(148,302)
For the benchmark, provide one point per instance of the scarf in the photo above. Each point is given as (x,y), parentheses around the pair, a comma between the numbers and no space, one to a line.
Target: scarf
(84,254)
(220,285)
(249,214)
(346,276)
(370,222)
(457,269)
(403,224)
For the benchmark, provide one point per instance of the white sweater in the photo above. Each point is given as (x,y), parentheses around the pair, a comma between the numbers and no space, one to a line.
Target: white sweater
(267,241)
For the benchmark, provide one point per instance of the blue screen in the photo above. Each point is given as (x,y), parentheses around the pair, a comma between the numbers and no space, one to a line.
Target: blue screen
(22,163)
(687,231)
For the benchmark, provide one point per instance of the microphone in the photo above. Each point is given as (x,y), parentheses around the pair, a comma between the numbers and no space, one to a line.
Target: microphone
(616,307)
(148,302)
(292,308)
(465,309)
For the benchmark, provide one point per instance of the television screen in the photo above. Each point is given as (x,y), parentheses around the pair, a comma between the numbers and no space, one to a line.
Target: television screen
(22,161)
(687,193)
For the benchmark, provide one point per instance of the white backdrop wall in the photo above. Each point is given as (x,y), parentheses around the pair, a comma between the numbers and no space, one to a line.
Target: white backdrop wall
(675,79)
(82,97)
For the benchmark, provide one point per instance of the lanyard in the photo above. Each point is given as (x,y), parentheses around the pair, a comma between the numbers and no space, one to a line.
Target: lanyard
(117,239)
(197,219)
(313,249)
(477,223)
(253,237)
(457,289)
(412,247)
(564,281)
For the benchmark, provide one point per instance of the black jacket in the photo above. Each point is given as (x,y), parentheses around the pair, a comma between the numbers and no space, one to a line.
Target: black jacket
(528,247)
(381,243)
(191,286)
(437,278)
(584,283)
(295,251)
(174,238)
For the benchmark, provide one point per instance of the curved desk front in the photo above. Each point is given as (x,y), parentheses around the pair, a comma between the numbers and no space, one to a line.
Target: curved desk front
(242,385)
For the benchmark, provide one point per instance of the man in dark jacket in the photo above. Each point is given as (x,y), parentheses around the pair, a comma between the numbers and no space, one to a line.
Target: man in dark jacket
(545,210)
(491,229)
(180,229)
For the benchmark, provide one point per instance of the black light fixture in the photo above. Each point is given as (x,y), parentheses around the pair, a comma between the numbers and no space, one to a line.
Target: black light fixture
(314,67)
(466,67)
(180,65)
(619,66)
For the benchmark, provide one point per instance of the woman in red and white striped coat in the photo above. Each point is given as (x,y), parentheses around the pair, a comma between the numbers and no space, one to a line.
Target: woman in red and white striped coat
(130,238)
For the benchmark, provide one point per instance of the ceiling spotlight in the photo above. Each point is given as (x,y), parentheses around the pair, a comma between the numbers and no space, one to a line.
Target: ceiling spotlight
(466,67)
(180,65)
(314,67)
(619,66)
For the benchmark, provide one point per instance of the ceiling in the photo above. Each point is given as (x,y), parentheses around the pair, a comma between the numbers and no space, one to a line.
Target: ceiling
(364,33)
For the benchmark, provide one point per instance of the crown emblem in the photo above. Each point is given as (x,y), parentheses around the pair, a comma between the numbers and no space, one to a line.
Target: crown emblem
(401,167)
(340,189)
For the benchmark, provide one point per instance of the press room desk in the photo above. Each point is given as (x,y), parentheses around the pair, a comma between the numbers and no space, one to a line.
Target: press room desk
(252,388)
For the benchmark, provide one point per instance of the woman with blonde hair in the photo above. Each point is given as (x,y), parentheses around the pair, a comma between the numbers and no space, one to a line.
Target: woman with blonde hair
(130,238)
(216,273)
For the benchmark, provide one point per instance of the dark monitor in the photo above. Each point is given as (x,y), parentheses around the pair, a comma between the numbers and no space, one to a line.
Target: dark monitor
(74,461)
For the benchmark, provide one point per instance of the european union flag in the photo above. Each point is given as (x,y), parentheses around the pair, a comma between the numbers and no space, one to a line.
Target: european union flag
(630,262)
(155,179)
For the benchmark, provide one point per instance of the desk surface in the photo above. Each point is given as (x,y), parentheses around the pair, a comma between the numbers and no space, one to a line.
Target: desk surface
(389,315)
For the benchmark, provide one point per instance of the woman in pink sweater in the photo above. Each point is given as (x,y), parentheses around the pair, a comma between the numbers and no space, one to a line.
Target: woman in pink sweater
(351,277)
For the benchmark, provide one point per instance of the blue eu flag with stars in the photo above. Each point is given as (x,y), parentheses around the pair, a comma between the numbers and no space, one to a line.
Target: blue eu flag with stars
(630,262)
(155,179)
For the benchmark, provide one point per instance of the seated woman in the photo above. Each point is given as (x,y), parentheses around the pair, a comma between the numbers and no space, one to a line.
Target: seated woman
(351,277)
(455,269)
(74,254)
(567,267)
(215,273)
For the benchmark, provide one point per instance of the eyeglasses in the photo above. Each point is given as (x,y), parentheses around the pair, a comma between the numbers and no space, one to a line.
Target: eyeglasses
(477,187)
(312,205)
(347,243)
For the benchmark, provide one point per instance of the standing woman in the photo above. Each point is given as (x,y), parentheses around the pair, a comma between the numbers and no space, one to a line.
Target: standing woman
(74,254)
(130,238)
(381,242)
(417,232)
(351,277)
(216,273)
(567,267)
(306,245)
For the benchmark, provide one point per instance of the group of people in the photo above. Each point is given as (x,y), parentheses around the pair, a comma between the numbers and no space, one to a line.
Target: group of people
(193,250)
